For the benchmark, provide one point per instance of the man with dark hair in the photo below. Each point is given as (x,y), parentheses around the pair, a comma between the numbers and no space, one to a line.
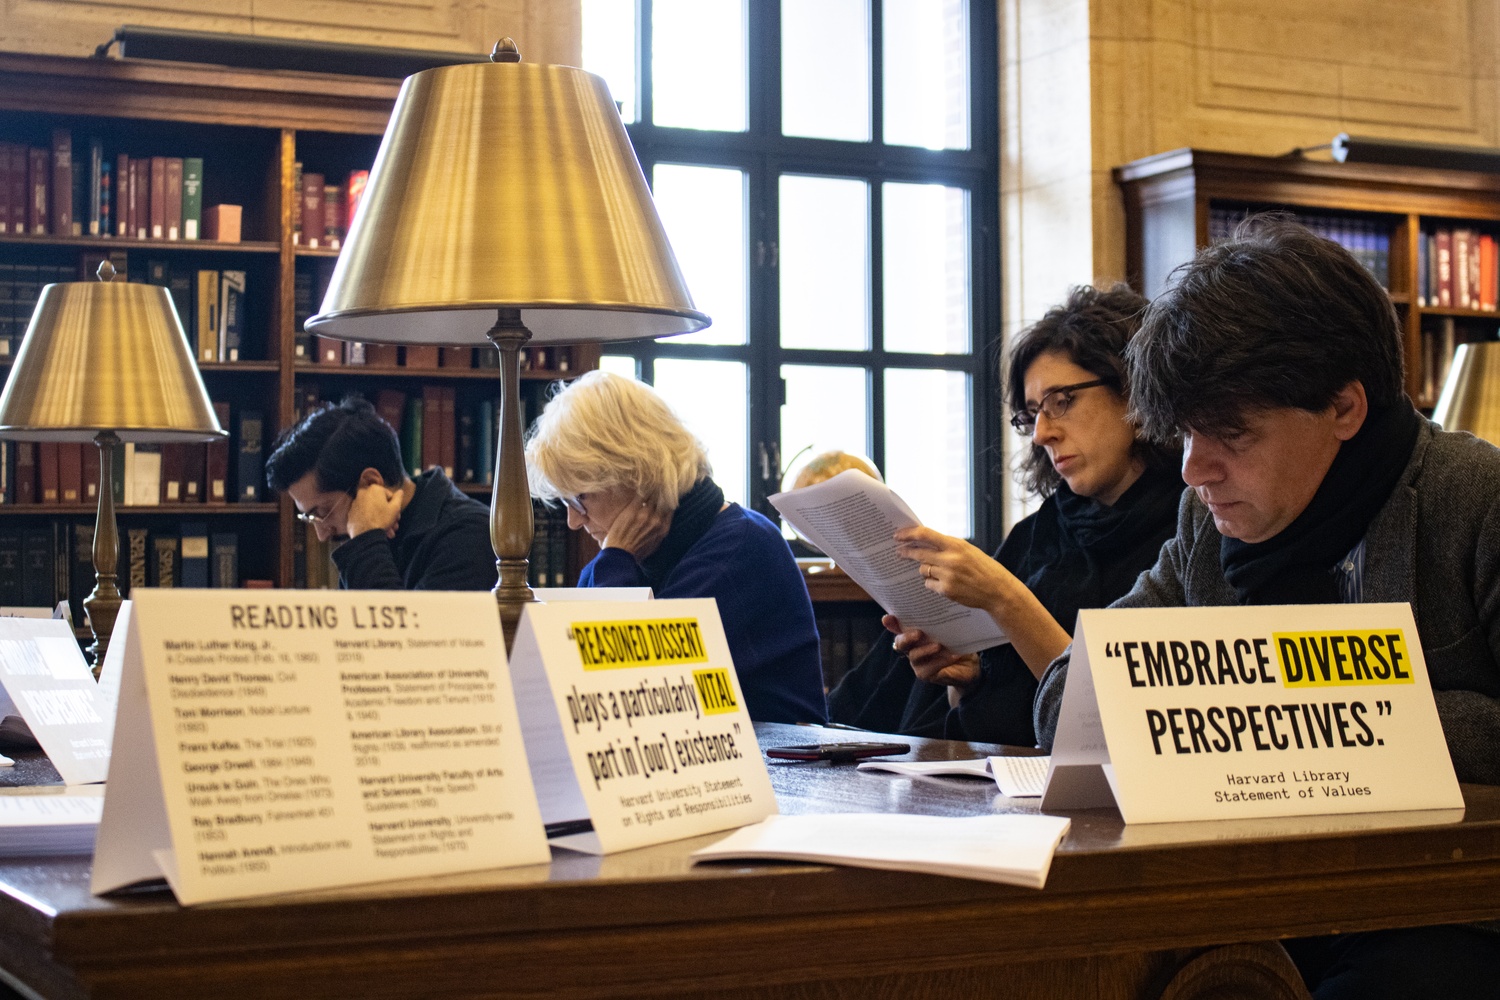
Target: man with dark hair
(1277,360)
(342,466)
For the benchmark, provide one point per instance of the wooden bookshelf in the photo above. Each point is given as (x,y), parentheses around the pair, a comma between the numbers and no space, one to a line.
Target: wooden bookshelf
(1169,200)
(251,128)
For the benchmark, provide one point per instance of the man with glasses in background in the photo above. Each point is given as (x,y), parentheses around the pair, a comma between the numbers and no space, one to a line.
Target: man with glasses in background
(342,467)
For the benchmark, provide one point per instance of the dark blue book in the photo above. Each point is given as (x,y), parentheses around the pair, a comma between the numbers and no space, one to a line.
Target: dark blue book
(38,568)
(224,552)
(251,468)
(192,566)
(11,591)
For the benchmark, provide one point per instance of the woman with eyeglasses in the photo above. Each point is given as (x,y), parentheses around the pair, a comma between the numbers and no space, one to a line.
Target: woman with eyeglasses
(639,482)
(1110,502)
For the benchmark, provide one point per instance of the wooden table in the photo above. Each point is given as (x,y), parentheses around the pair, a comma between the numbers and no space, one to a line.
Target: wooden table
(1127,912)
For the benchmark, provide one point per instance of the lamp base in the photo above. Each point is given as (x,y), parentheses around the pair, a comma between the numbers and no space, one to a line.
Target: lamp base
(511,527)
(103,605)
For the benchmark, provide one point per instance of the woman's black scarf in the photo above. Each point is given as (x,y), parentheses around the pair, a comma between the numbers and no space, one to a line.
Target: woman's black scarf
(695,513)
(1296,565)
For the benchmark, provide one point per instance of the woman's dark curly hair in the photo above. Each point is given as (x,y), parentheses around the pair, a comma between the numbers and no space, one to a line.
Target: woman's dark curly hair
(1092,328)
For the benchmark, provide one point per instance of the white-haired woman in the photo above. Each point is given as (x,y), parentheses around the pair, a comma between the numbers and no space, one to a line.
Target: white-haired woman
(639,483)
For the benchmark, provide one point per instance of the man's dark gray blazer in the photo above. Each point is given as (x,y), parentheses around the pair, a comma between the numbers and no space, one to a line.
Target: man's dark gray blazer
(1435,544)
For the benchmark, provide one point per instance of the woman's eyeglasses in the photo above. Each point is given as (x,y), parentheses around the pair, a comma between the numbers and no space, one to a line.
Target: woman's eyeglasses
(1054,404)
(575,504)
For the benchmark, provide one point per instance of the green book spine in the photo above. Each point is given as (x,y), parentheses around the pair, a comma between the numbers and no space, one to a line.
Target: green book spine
(192,196)
(411,436)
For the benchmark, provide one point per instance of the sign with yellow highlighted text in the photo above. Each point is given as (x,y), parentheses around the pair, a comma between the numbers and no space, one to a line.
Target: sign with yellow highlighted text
(635,723)
(275,741)
(1229,713)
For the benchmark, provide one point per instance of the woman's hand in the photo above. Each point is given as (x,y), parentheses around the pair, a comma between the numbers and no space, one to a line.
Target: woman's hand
(957,570)
(933,662)
(638,530)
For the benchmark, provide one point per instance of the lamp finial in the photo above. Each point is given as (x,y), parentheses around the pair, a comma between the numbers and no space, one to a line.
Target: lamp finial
(106,271)
(505,51)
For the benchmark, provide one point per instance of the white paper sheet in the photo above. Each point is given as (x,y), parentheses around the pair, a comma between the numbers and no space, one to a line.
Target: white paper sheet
(1020,777)
(852,518)
(931,768)
(1015,849)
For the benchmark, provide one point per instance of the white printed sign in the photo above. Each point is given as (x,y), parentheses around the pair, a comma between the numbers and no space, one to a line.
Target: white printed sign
(49,684)
(635,722)
(272,742)
(1218,713)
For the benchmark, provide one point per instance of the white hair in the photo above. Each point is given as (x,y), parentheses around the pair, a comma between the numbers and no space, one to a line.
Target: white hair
(605,431)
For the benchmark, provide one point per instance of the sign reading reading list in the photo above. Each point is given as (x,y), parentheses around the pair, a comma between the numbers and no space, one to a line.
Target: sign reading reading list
(1217,713)
(312,739)
(635,723)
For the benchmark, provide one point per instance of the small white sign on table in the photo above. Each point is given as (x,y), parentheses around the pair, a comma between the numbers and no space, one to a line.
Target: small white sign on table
(48,683)
(1220,713)
(635,722)
(273,742)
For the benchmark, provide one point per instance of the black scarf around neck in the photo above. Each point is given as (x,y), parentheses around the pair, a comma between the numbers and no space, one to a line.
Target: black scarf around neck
(694,515)
(1101,532)
(1295,566)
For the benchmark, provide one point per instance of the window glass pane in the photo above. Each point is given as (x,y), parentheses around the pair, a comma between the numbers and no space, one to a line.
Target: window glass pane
(620,364)
(710,398)
(609,49)
(698,64)
(925,47)
(825,69)
(703,210)
(927,456)
(825,263)
(925,257)
(826,409)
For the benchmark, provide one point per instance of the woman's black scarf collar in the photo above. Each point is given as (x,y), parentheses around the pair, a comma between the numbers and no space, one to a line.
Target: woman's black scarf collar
(694,515)
(1295,566)
(1103,531)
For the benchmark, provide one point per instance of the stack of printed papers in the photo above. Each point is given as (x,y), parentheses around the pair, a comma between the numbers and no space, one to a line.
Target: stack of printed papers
(50,819)
(1017,777)
(1014,849)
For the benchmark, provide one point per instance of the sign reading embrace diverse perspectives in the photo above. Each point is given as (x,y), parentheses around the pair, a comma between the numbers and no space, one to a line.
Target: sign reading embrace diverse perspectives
(1219,713)
(635,721)
(279,741)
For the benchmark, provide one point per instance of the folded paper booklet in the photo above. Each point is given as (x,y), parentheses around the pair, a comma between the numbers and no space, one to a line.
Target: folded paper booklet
(852,517)
(49,819)
(1014,849)
(1017,777)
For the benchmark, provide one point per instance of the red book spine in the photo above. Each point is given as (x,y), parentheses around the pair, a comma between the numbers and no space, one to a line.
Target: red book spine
(70,471)
(39,180)
(173,205)
(158,197)
(25,481)
(217,460)
(140,197)
(171,472)
(90,473)
(18,188)
(47,472)
(354,190)
(193,468)
(383,354)
(329,351)
(62,182)
(313,225)
(421,356)
(391,405)
(432,414)
(1444,243)
(5,187)
(123,218)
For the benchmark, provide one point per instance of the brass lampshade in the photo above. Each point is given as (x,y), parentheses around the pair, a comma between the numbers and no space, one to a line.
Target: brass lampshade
(1471,394)
(106,362)
(506,204)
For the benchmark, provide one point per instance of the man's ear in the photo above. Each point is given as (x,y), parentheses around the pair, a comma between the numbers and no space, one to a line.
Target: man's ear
(1350,408)
(371,477)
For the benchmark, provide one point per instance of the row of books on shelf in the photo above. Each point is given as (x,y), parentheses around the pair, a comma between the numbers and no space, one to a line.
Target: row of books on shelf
(145,475)
(45,564)
(1458,269)
(327,351)
(1366,237)
(325,210)
(76,189)
(845,639)
(1440,341)
(211,304)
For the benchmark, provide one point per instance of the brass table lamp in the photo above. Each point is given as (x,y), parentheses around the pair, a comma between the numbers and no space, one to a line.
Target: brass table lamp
(1471,394)
(506,205)
(105,361)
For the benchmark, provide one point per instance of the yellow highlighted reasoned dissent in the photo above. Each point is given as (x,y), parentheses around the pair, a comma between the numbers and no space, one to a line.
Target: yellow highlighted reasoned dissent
(657,642)
(1336,659)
